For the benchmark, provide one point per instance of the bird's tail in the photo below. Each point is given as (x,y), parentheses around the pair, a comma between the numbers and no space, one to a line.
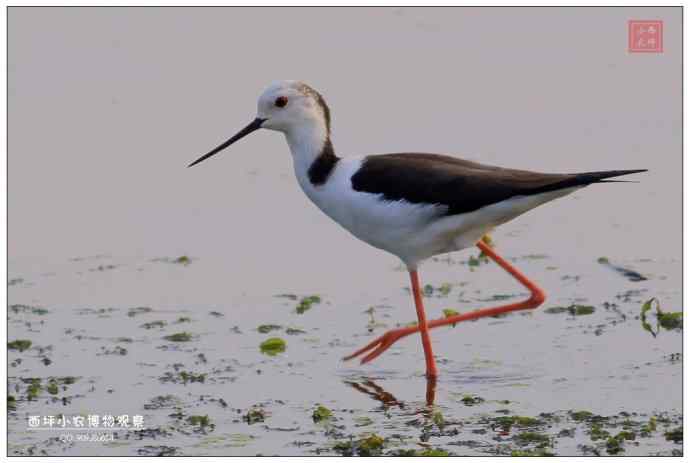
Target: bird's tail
(587,178)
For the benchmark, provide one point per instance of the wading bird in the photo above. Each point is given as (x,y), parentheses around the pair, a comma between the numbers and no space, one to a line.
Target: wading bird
(413,205)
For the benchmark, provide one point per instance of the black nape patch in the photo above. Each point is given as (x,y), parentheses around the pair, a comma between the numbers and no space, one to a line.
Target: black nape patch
(323,165)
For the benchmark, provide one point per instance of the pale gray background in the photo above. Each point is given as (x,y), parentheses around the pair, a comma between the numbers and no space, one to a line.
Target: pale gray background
(107,107)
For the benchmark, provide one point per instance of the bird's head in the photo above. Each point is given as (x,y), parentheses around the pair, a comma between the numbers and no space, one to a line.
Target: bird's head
(287,106)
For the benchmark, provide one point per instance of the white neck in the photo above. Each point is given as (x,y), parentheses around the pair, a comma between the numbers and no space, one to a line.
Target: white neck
(306,143)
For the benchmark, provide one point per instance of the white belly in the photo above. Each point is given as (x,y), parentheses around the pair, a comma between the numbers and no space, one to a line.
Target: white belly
(413,232)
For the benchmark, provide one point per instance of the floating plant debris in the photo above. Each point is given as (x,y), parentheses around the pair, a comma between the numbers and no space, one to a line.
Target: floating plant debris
(179,337)
(574,310)
(321,413)
(268,328)
(631,275)
(20,344)
(273,346)
(306,303)
(666,320)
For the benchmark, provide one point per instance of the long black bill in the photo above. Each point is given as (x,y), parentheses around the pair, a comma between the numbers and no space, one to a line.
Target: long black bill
(254,125)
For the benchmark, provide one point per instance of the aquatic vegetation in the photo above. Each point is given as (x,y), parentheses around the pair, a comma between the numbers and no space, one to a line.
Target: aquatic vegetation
(189,377)
(441,291)
(255,415)
(538,452)
(273,346)
(574,310)
(447,313)
(199,420)
(675,435)
(596,432)
(184,260)
(33,389)
(666,320)
(52,388)
(306,303)
(582,415)
(470,400)
(179,337)
(268,328)
(531,437)
(153,324)
(432,453)
(11,403)
(20,344)
(507,422)
(17,308)
(321,413)
(370,446)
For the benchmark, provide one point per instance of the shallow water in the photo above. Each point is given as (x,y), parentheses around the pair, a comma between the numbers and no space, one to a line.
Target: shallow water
(95,230)
(527,363)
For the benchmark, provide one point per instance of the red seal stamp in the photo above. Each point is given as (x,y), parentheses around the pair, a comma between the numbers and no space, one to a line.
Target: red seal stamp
(645,36)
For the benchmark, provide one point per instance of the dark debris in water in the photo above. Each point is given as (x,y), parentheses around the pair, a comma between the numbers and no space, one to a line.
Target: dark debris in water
(574,310)
(630,275)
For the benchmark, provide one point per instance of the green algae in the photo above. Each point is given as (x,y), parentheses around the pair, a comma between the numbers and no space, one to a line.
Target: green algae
(306,303)
(179,337)
(321,413)
(670,320)
(666,320)
(273,346)
(20,344)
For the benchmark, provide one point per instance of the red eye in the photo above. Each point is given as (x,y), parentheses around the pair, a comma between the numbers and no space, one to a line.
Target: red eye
(281,101)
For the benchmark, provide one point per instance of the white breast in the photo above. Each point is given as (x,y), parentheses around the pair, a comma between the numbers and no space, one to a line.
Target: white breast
(395,226)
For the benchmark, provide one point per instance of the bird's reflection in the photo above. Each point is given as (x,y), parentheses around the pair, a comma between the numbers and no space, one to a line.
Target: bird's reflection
(373,390)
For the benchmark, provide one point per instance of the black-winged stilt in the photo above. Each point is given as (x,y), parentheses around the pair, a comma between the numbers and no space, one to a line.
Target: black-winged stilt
(413,205)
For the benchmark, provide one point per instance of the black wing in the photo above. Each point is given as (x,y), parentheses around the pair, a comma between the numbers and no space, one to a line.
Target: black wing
(463,186)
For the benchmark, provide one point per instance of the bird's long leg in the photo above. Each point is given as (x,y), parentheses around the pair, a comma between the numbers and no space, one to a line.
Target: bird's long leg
(431,371)
(537,297)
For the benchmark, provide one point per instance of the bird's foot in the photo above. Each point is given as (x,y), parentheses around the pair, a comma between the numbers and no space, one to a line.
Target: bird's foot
(381,344)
